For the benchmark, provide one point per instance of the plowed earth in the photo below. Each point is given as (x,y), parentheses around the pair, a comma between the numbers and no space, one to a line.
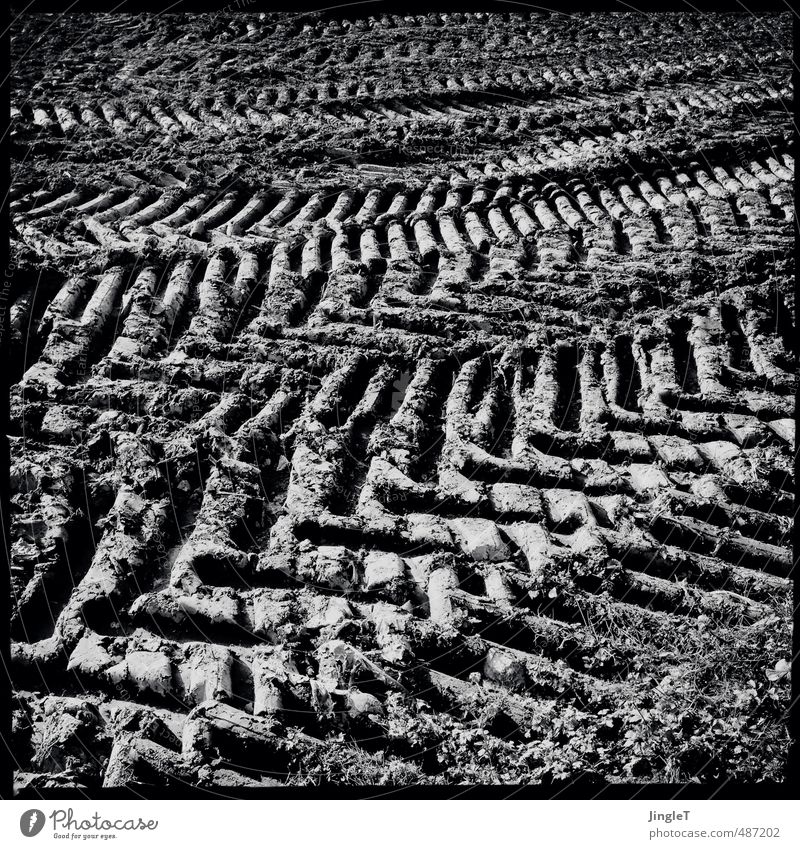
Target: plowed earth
(401,399)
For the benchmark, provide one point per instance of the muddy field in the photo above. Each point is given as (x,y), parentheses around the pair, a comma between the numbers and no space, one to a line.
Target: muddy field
(401,400)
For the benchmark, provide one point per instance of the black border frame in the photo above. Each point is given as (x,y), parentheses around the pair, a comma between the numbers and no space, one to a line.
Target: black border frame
(577,789)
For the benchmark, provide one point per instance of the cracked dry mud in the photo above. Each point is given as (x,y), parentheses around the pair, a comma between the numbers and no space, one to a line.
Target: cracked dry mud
(401,399)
